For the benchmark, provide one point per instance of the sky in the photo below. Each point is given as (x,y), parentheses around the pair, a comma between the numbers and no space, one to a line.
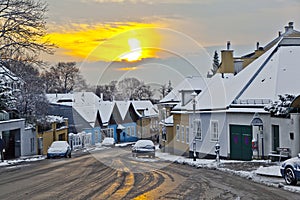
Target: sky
(159,40)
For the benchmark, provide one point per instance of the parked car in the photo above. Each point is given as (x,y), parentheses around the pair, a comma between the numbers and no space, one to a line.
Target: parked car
(290,170)
(59,149)
(108,142)
(143,148)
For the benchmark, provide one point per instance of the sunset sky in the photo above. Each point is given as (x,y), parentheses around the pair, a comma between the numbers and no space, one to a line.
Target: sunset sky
(159,40)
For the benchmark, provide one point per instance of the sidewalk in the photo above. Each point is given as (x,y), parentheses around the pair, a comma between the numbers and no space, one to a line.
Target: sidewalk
(22,159)
(243,168)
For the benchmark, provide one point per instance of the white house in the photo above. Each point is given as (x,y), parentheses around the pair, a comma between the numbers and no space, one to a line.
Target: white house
(224,110)
(19,139)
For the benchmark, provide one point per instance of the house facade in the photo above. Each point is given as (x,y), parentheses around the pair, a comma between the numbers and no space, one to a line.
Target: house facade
(126,121)
(19,139)
(55,128)
(174,136)
(223,113)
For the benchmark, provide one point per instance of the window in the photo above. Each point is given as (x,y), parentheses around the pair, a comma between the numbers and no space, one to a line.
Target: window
(128,130)
(291,135)
(108,132)
(164,133)
(32,144)
(132,131)
(197,129)
(214,131)
(182,133)
(177,132)
(187,132)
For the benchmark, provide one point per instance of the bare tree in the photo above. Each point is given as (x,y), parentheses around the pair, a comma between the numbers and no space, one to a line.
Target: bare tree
(22,29)
(31,101)
(62,77)
(108,91)
(164,90)
(143,92)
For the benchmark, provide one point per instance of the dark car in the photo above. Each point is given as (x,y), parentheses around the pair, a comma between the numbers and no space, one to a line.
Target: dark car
(290,170)
(143,148)
(59,149)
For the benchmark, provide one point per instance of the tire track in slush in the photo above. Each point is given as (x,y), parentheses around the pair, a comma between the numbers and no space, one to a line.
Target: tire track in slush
(123,183)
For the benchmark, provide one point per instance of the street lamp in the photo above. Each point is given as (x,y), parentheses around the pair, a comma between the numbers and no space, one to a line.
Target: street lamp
(194,94)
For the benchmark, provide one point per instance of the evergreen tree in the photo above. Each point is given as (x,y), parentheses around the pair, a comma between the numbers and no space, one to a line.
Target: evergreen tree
(215,65)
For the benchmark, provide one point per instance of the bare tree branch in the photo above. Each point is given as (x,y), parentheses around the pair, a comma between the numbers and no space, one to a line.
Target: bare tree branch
(22,29)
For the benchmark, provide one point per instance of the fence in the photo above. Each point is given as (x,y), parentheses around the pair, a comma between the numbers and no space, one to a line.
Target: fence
(80,140)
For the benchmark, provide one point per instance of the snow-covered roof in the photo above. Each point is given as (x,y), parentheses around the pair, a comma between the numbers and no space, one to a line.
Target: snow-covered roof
(123,107)
(169,121)
(105,109)
(195,83)
(87,105)
(272,74)
(146,107)
(53,118)
(61,99)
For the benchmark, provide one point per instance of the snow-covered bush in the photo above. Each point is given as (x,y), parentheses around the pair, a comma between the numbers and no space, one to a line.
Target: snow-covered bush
(281,108)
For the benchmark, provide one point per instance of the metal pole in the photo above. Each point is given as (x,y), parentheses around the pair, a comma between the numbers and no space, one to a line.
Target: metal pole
(194,127)
(262,142)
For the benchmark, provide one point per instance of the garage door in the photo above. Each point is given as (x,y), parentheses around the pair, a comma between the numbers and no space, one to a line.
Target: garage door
(240,142)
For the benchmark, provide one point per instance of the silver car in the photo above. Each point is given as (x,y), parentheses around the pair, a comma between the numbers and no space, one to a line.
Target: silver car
(59,149)
(143,148)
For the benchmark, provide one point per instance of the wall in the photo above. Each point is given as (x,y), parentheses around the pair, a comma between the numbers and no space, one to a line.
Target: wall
(11,132)
(286,127)
(28,142)
(51,135)
(206,146)
(181,147)
(227,64)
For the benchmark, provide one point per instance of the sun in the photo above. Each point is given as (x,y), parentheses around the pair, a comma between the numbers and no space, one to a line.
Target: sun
(135,51)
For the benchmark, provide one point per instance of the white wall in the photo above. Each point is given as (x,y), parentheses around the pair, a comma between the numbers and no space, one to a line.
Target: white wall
(27,137)
(286,126)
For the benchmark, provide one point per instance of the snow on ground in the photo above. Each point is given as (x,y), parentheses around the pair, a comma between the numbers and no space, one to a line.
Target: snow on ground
(21,159)
(269,175)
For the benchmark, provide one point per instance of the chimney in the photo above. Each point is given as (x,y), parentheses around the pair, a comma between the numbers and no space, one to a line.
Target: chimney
(228,45)
(289,26)
(257,45)
(279,33)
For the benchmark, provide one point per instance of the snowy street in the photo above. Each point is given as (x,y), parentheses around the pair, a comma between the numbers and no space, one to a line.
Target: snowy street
(112,173)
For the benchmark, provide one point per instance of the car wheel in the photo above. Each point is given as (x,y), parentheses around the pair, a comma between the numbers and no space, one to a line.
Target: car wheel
(289,176)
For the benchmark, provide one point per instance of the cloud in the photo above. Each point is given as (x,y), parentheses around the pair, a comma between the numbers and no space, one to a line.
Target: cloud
(106,41)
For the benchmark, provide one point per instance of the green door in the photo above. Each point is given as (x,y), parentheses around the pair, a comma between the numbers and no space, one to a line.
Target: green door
(240,142)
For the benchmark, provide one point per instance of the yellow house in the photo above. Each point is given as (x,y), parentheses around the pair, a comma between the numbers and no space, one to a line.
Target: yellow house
(181,132)
(54,129)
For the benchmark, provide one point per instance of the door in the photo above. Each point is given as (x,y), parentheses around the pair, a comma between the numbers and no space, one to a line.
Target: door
(240,142)
(275,137)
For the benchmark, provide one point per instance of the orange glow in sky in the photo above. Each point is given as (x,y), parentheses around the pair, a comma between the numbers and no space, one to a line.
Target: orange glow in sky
(128,41)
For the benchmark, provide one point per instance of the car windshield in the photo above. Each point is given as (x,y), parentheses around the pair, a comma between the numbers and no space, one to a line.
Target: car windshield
(58,144)
(109,140)
(144,143)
